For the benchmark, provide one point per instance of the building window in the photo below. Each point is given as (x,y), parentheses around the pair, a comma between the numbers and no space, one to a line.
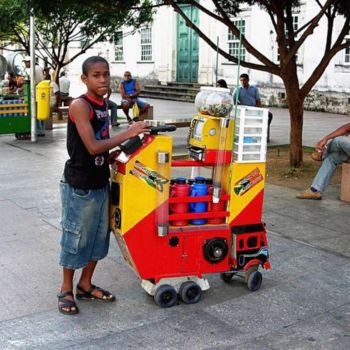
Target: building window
(84,43)
(233,41)
(295,23)
(146,44)
(347,55)
(118,46)
(347,50)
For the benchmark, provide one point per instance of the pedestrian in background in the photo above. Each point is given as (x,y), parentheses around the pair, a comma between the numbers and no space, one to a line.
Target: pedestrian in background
(221,83)
(114,109)
(248,95)
(64,83)
(129,89)
(38,77)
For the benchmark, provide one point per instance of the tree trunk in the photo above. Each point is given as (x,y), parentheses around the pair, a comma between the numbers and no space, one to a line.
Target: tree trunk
(56,73)
(296,112)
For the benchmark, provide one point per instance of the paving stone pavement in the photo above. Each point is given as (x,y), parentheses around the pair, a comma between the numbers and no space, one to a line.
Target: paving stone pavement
(304,301)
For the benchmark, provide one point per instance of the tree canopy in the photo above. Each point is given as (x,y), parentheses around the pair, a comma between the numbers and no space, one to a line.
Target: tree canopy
(59,23)
(289,41)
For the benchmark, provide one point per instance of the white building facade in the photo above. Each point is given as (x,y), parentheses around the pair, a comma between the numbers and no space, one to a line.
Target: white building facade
(168,51)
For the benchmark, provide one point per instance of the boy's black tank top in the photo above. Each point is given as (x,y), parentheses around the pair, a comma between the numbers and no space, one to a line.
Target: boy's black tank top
(83,170)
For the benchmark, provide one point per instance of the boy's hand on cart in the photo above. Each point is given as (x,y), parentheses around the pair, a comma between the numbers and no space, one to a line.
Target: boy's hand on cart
(137,128)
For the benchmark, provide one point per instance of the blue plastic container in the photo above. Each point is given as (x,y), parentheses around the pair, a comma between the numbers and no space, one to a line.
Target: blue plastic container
(199,188)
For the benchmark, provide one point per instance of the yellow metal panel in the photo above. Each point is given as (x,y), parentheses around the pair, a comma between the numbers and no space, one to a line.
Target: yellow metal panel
(248,179)
(137,197)
(13,105)
(210,133)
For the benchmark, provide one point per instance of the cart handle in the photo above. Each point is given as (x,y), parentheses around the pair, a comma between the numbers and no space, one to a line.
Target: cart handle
(162,128)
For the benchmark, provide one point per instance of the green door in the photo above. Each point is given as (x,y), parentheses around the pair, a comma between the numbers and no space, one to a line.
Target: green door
(187,47)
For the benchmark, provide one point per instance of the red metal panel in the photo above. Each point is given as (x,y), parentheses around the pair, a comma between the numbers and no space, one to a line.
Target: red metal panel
(251,214)
(155,258)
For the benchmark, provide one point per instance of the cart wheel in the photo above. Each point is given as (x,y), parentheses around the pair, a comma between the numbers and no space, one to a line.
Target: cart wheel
(190,292)
(254,281)
(165,296)
(249,271)
(227,276)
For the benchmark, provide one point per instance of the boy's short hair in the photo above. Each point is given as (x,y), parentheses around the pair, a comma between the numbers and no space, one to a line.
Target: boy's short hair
(244,75)
(92,60)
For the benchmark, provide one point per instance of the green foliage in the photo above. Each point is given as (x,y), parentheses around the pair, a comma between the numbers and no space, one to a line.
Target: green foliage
(60,22)
(14,21)
(343,7)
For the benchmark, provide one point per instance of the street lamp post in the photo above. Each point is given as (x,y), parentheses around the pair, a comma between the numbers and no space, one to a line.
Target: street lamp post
(32,76)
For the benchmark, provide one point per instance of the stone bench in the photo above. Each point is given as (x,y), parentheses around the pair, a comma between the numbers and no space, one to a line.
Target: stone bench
(148,115)
(345,183)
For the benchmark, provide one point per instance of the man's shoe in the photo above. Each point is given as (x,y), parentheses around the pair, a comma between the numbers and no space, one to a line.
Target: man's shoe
(308,194)
(317,156)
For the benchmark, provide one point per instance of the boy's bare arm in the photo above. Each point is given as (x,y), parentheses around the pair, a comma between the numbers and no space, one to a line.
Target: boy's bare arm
(80,111)
(137,89)
(122,92)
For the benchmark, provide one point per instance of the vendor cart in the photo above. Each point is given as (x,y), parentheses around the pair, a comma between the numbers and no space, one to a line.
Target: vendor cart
(172,232)
(15,117)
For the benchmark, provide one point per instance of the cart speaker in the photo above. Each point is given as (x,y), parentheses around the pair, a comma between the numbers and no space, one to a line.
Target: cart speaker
(215,250)
(115,193)
(117,218)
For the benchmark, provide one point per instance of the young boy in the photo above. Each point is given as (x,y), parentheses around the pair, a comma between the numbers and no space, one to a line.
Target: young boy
(85,186)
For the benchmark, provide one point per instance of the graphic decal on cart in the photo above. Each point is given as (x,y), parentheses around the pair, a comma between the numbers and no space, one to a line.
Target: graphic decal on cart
(243,185)
(149,176)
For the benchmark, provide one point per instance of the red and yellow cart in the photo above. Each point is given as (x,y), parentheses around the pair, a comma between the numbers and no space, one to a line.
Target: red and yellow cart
(172,251)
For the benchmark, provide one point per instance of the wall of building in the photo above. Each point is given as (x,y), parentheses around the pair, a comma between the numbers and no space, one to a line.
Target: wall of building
(260,33)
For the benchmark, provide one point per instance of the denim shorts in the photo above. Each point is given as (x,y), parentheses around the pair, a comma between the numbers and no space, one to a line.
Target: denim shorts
(85,227)
(140,103)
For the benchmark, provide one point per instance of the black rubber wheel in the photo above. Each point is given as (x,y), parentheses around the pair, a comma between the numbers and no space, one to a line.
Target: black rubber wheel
(227,276)
(215,250)
(254,281)
(190,292)
(165,296)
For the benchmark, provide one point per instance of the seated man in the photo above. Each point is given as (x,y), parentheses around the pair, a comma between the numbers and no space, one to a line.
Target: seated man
(336,152)
(12,82)
(248,95)
(129,90)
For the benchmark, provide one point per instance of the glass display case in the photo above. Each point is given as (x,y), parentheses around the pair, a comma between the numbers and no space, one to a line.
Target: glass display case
(250,139)
(217,102)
